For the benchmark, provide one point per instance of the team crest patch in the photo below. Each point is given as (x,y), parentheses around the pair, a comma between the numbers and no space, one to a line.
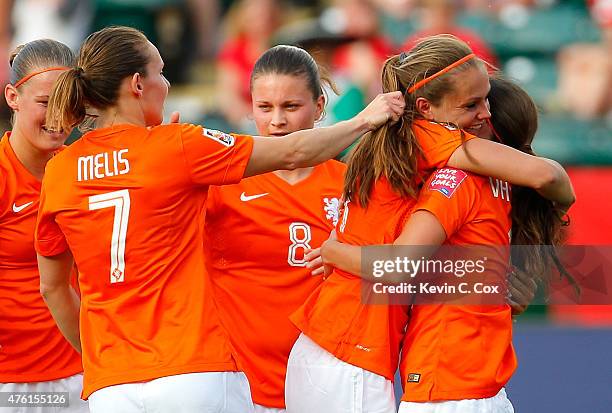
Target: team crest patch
(221,137)
(413,378)
(331,208)
(447,180)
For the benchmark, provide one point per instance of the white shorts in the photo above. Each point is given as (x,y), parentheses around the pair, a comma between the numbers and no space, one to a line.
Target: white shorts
(319,382)
(263,409)
(496,404)
(73,385)
(210,392)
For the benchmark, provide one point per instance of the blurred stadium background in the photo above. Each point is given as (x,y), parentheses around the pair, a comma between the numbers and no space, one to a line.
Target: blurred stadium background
(559,50)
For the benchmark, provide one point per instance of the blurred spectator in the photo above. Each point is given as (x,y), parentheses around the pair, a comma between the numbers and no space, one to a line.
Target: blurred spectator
(360,61)
(67,21)
(206,15)
(5,42)
(497,6)
(398,8)
(186,31)
(251,24)
(182,30)
(601,10)
(395,19)
(585,70)
(438,16)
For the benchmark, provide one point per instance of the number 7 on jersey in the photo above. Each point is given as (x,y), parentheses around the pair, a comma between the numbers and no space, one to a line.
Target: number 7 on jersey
(120,201)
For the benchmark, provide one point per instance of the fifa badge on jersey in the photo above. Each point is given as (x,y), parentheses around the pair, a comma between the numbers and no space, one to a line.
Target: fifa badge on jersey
(331,208)
(221,137)
(413,378)
(447,180)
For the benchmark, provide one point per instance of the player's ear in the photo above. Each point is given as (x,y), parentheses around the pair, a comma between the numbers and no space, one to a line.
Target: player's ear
(424,108)
(12,97)
(320,104)
(136,84)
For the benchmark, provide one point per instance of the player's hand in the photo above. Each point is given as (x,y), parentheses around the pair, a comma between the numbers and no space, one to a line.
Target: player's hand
(384,108)
(175,117)
(521,290)
(315,261)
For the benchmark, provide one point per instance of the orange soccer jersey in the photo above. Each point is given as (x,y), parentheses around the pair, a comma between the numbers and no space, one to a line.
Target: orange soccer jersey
(32,349)
(257,232)
(129,203)
(335,316)
(454,352)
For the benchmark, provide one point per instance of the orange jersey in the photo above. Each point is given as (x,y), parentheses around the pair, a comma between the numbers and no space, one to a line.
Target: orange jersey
(257,232)
(129,202)
(32,349)
(335,316)
(454,352)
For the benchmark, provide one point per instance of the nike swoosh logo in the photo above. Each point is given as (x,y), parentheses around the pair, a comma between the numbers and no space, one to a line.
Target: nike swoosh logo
(245,198)
(21,207)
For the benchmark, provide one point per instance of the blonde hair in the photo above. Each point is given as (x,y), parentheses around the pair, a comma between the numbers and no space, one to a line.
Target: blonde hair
(38,55)
(392,150)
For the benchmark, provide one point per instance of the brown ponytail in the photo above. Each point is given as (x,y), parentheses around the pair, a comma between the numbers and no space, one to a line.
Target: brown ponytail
(66,107)
(536,223)
(105,59)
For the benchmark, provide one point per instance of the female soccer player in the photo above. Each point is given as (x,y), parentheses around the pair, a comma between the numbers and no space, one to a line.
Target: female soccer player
(34,356)
(354,347)
(127,201)
(259,229)
(458,358)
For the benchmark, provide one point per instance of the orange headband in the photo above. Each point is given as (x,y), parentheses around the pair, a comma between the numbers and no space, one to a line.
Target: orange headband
(448,68)
(31,75)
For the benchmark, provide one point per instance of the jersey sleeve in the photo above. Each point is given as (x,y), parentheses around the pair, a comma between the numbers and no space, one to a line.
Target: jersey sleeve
(214,157)
(213,200)
(438,143)
(451,196)
(3,190)
(48,237)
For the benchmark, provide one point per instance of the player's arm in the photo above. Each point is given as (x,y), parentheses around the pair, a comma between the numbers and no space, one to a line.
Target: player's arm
(493,159)
(312,146)
(60,297)
(421,237)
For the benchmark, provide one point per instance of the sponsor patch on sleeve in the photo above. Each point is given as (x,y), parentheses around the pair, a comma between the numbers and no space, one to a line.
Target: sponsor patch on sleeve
(447,180)
(221,137)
